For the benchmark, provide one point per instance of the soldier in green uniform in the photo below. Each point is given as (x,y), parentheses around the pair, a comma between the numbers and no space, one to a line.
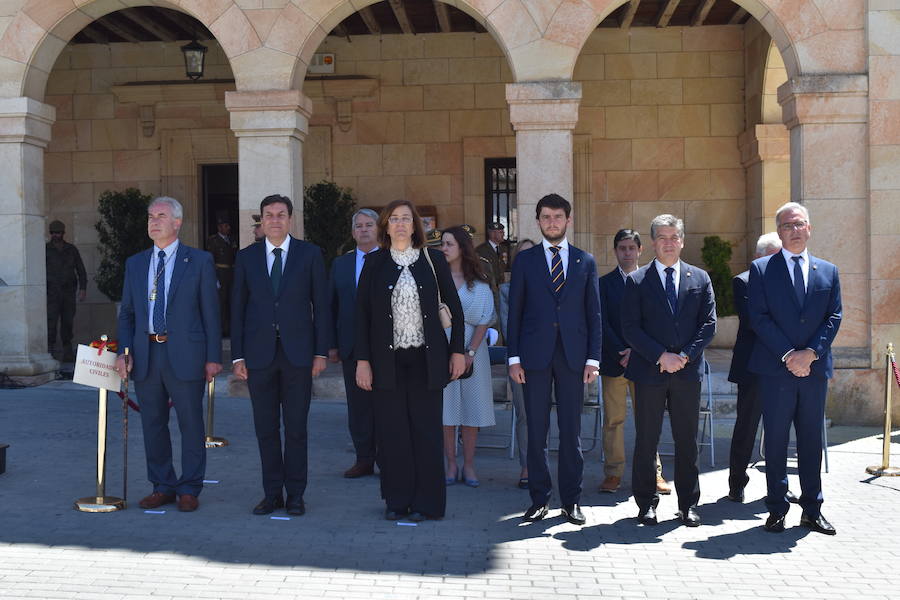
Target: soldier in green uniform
(65,275)
(223,248)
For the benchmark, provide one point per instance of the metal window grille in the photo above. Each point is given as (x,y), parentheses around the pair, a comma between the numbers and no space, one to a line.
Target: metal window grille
(500,194)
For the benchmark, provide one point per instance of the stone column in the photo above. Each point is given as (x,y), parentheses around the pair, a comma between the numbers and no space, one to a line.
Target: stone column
(543,115)
(827,117)
(24,132)
(270,127)
(765,153)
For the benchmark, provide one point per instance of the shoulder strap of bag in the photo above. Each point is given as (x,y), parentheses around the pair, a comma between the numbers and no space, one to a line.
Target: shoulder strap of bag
(431,264)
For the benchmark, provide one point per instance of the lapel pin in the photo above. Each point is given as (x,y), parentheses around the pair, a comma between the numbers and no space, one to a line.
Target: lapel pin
(185,259)
(815,267)
(577,260)
(688,274)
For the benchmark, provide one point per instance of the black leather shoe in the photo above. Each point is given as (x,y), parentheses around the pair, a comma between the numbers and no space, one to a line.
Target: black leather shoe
(268,505)
(775,523)
(690,517)
(790,497)
(647,516)
(573,514)
(395,515)
(735,495)
(819,524)
(295,506)
(535,512)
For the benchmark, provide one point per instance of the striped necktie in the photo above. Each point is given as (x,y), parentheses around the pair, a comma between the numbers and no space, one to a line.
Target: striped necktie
(557,274)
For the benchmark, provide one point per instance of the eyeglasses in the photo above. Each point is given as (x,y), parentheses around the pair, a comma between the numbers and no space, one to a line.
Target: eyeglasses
(398,220)
(793,225)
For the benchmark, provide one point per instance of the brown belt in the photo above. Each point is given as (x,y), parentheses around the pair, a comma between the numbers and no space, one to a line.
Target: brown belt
(221,266)
(159,338)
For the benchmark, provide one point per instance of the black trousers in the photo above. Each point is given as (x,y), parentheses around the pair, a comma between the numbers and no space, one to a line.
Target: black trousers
(408,424)
(153,394)
(60,309)
(682,398)
(281,392)
(225,278)
(743,438)
(360,415)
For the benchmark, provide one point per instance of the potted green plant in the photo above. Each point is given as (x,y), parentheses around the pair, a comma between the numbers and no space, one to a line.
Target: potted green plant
(121,232)
(327,208)
(716,254)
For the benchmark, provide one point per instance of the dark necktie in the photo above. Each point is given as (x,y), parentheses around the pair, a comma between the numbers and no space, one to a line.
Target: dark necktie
(671,296)
(275,275)
(799,288)
(557,274)
(159,304)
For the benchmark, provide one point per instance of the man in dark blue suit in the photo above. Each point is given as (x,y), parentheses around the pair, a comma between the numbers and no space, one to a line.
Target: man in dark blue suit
(345,271)
(279,342)
(668,318)
(170,322)
(749,405)
(615,353)
(794,301)
(554,342)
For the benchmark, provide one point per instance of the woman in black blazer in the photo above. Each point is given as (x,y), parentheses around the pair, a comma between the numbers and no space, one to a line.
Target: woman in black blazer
(404,357)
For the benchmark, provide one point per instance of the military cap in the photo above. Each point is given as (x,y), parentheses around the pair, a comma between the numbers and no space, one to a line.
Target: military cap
(433,237)
(57,227)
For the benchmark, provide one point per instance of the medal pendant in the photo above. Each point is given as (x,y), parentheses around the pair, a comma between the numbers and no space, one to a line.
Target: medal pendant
(153,296)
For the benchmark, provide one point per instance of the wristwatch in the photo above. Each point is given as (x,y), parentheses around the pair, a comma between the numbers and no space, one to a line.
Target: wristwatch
(684,356)
(470,352)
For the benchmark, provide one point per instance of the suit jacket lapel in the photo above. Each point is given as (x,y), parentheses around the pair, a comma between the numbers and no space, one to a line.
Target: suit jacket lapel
(351,274)
(781,271)
(657,284)
(142,283)
(576,257)
(182,260)
(541,255)
(684,281)
(813,278)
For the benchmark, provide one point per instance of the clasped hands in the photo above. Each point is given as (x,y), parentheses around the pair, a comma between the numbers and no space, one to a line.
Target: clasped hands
(798,362)
(669,362)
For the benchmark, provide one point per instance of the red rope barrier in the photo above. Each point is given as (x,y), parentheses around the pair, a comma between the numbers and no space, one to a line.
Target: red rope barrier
(896,370)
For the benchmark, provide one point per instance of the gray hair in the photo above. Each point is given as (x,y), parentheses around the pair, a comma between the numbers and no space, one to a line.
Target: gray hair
(791,206)
(367,212)
(172,203)
(666,221)
(766,242)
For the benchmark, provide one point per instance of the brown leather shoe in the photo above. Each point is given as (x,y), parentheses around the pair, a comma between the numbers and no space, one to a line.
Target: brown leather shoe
(360,469)
(188,503)
(662,486)
(155,500)
(610,484)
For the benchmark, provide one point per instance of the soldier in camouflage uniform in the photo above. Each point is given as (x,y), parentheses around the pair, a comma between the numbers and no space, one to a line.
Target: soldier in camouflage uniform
(65,275)
(223,247)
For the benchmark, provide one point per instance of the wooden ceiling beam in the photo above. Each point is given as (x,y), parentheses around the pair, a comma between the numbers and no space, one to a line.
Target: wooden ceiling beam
(126,33)
(193,29)
(738,16)
(91,33)
(701,13)
(443,16)
(665,15)
(629,14)
(402,18)
(157,28)
(369,19)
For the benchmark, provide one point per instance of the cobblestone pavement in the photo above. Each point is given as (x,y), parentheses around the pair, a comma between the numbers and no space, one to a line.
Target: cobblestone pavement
(342,548)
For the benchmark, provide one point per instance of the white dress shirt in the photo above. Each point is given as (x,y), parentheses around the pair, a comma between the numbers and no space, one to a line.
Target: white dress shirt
(564,257)
(661,269)
(270,254)
(804,265)
(170,251)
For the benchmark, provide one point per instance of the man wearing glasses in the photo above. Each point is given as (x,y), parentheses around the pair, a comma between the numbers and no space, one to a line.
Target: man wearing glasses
(794,302)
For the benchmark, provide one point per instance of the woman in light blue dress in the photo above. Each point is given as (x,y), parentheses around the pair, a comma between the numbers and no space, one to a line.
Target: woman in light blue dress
(468,403)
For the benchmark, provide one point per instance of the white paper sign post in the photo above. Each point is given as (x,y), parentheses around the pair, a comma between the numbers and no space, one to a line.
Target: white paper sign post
(95,370)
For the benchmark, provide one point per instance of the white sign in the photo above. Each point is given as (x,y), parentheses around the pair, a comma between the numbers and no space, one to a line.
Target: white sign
(96,370)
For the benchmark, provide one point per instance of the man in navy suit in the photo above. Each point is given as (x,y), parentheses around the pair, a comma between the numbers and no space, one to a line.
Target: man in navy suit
(615,353)
(554,342)
(668,318)
(794,301)
(170,322)
(345,271)
(279,342)
(749,406)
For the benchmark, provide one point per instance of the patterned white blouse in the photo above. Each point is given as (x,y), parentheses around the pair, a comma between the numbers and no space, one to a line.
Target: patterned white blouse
(409,331)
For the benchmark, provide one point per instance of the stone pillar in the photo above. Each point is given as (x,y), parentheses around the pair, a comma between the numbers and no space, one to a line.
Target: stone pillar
(827,117)
(270,127)
(765,153)
(24,132)
(543,115)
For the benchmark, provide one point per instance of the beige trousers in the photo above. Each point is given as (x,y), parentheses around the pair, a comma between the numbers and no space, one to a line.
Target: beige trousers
(615,409)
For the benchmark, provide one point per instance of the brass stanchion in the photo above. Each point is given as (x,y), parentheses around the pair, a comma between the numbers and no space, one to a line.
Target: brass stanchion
(211,440)
(101,502)
(886,468)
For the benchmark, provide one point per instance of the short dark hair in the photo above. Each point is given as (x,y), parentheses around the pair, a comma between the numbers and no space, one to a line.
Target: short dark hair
(552,201)
(277,199)
(626,234)
(418,234)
